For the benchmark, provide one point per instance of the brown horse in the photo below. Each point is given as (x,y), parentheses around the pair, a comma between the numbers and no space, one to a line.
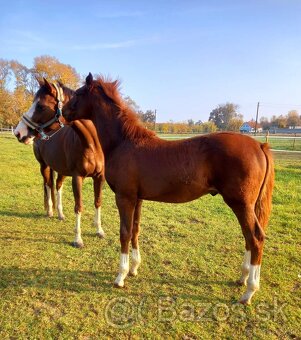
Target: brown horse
(70,151)
(139,165)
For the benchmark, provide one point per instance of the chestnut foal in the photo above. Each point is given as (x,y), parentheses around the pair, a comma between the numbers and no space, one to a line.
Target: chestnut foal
(140,165)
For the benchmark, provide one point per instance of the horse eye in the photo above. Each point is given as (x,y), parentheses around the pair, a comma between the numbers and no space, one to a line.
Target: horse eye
(40,107)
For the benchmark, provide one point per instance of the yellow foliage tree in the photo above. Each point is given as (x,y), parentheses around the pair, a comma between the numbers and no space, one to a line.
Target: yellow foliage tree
(52,69)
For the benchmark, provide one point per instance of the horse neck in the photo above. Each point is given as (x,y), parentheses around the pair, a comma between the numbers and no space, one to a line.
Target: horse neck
(108,129)
(86,133)
(119,124)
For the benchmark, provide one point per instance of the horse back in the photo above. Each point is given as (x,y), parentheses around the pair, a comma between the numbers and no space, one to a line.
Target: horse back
(65,153)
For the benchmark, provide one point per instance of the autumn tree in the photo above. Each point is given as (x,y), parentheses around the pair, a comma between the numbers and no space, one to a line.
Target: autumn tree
(264,122)
(222,115)
(149,116)
(293,118)
(5,95)
(52,69)
(281,121)
(4,73)
(208,127)
(131,103)
(234,124)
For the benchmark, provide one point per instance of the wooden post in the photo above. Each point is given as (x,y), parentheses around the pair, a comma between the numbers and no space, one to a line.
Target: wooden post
(294,142)
(267,136)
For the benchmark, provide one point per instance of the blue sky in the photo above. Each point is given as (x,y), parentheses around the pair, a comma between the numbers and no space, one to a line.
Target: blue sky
(182,58)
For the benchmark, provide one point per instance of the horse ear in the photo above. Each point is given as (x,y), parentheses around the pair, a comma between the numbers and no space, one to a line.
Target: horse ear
(89,80)
(49,86)
(40,81)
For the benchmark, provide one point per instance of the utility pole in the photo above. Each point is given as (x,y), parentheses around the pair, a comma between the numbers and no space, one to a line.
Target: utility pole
(256,119)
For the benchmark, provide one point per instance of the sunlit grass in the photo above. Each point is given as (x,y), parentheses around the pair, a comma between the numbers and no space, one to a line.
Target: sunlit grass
(191,257)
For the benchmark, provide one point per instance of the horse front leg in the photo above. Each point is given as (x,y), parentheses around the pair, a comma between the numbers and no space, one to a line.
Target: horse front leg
(77,182)
(136,257)
(126,207)
(98,184)
(59,190)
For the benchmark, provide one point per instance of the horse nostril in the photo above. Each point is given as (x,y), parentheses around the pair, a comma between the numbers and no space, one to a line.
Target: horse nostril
(17,134)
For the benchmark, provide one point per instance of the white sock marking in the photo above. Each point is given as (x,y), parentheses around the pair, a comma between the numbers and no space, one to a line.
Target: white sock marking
(97,222)
(49,201)
(245,267)
(252,283)
(123,269)
(60,203)
(136,260)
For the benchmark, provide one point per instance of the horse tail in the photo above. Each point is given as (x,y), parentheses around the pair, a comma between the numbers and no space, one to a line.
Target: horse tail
(51,184)
(263,204)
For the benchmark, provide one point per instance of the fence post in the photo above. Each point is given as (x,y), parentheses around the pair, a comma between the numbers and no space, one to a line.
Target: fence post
(294,142)
(12,130)
(267,136)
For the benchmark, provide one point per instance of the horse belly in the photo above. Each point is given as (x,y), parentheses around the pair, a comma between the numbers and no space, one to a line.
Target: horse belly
(179,193)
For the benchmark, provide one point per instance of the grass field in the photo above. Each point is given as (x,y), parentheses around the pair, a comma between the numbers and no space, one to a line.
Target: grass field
(289,143)
(191,256)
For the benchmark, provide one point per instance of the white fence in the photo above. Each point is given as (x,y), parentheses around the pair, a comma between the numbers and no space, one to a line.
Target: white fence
(7,131)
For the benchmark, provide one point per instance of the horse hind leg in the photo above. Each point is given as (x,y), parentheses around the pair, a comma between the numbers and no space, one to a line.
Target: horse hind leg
(98,184)
(254,237)
(59,190)
(245,268)
(136,257)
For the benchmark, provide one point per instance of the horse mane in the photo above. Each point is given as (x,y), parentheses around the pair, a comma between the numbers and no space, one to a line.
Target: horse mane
(132,127)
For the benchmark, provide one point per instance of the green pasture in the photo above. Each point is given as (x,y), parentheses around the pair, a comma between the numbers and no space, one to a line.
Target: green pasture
(289,143)
(185,289)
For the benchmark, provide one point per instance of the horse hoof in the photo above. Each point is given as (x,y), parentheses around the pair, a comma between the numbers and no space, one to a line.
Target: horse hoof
(245,302)
(116,285)
(62,218)
(240,283)
(78,245)
(133,273)
(100,235)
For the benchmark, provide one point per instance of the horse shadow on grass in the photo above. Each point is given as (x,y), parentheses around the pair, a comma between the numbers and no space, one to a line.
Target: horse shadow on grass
(14,278)
(23,214)
(68,280)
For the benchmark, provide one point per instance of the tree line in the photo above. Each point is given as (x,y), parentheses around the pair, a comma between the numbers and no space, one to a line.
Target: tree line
(18,84)
(291,120)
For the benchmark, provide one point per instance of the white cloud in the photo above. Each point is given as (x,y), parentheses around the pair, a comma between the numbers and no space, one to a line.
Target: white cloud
(103,46)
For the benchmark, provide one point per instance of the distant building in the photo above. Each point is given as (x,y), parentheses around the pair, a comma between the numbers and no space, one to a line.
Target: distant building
(249,127)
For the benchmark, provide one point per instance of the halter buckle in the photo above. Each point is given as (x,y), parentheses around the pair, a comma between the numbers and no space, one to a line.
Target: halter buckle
(43,135)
